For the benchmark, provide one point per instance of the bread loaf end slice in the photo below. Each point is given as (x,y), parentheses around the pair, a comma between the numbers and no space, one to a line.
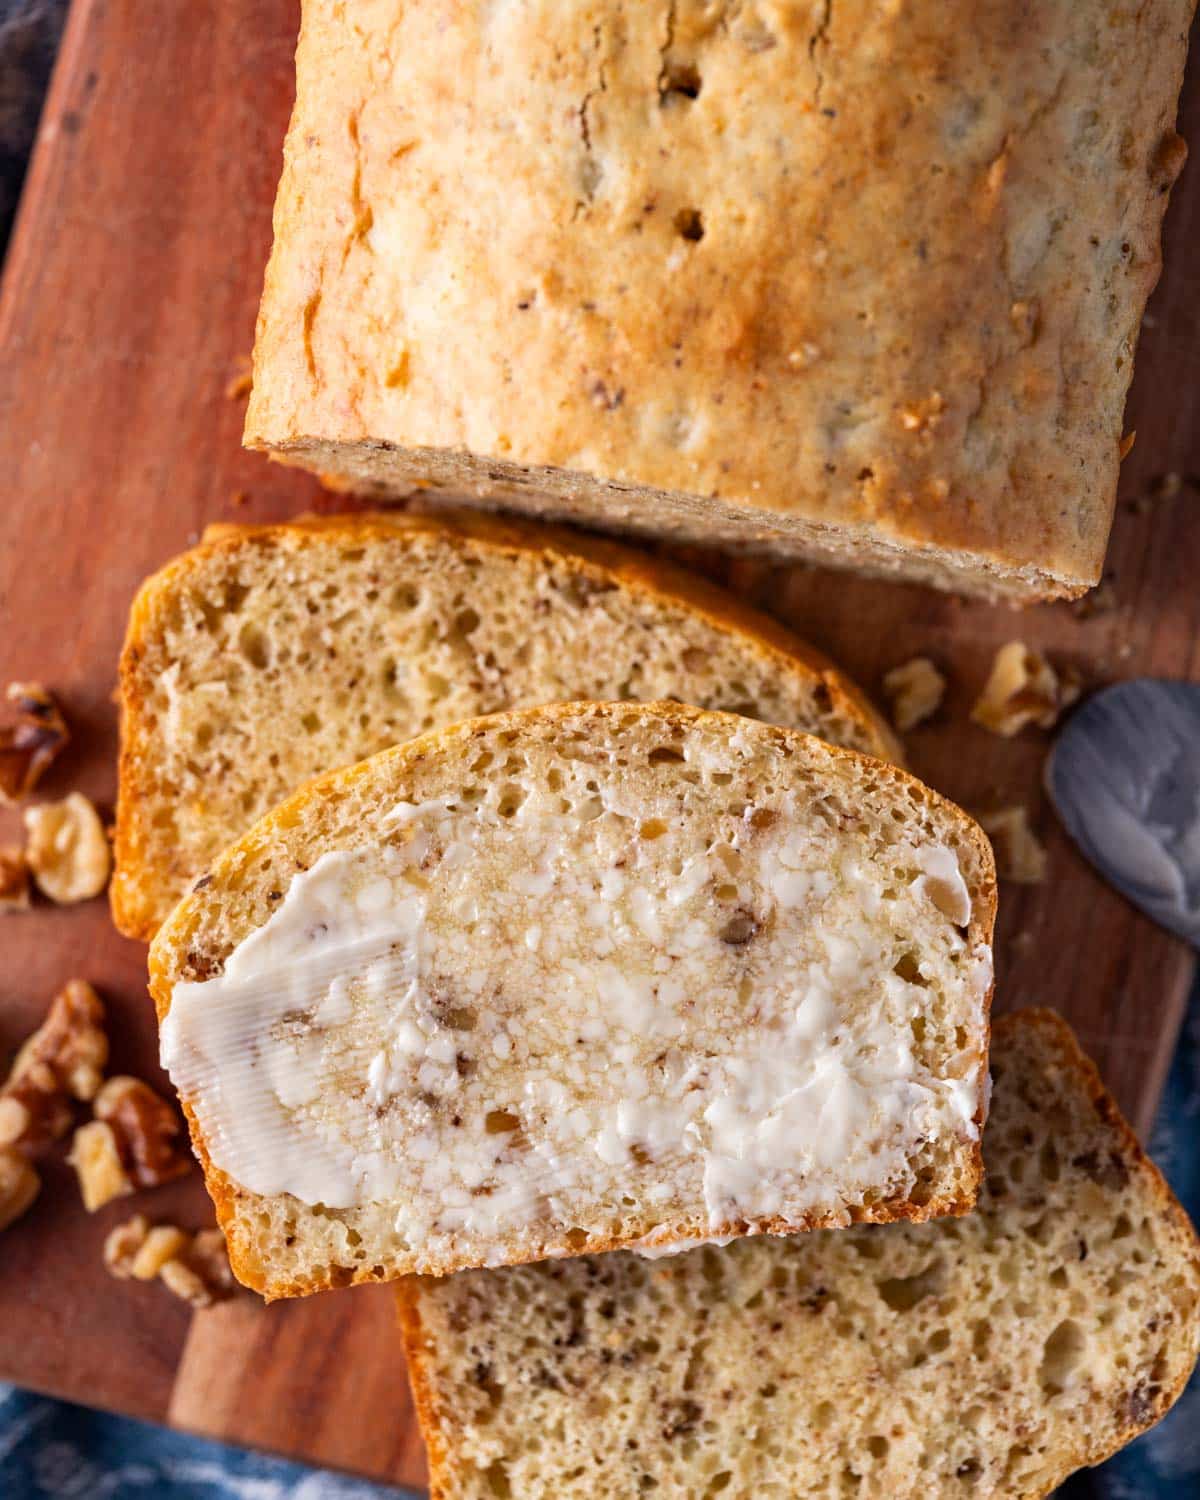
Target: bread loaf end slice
(575,978)
(989,1355)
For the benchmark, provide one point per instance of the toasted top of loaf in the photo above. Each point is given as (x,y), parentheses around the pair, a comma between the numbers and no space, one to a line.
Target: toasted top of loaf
(870,275)
(270,654)
(987,1356)
(577,977)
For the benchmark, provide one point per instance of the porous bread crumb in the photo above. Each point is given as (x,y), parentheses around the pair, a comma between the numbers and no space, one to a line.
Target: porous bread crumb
(915,691)
(1020,854)
(1023,689)
(990,1355)
(272,654)
(661,790)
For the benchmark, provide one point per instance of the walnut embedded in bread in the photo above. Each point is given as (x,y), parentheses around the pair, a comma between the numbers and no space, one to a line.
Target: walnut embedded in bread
(67,849)
(28,746)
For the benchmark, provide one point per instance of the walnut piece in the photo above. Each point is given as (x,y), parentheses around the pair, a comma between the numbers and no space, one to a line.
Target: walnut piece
(19,1185)
(1023,689)
(67,849)
(96,1158)
(164,1243)
(915,692)
(14,881)
(123,1243)
(28,746)
(1020,855)
(193,1267)
(64,1059)
(146,1130)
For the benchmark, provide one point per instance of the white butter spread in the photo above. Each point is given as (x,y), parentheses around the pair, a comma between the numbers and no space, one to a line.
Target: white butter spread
(621,1020)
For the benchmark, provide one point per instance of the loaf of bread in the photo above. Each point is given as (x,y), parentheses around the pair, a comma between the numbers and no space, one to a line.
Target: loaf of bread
(989,1356)
(270,654)
(574,978)
(860,282)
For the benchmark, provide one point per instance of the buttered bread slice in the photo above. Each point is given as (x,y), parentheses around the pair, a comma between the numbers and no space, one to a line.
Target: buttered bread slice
(271,654)
(575,978)
(986,1356)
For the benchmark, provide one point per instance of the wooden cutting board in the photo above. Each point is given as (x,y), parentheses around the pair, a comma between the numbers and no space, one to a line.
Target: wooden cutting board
(128,300)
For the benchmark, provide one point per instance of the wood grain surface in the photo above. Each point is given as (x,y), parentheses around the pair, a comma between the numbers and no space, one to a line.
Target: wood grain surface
(128,299)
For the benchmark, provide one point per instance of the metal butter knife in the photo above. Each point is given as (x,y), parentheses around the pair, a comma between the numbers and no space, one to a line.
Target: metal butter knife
(1124,776)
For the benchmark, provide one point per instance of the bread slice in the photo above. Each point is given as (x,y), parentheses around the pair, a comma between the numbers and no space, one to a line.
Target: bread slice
(270,654)
(858,282)
(576,977)
(989,1356)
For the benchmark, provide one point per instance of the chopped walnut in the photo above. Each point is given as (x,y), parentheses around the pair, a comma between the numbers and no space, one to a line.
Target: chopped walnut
(209,1255)
(123,1243)
(164,1243)
(193,1267)
(146,1130)
(1020,856)
(19,1184)
(1023,689)
(32,743)
(64,1059)
(67,849)
(98,1165)
(14,881)
(915,691)
(70,1041)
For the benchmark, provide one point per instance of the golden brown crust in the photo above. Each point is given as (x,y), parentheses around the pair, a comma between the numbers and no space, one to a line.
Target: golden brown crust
(176,948)
(867,289)
(135,899)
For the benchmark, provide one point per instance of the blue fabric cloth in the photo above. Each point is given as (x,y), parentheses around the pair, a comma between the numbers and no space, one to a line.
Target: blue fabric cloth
(52,1451)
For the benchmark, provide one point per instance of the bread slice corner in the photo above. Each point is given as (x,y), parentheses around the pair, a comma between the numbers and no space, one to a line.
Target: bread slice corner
(994,1354)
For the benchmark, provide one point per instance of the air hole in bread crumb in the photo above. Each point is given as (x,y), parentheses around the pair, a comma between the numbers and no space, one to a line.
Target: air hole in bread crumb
(652,828)
(511,798)
(681,79)
(405,598)
(496,1477)
(907,968)
(501,1122)
(311,722)
(902,1293)
(253,645)
(1063,1351)
(689,224)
